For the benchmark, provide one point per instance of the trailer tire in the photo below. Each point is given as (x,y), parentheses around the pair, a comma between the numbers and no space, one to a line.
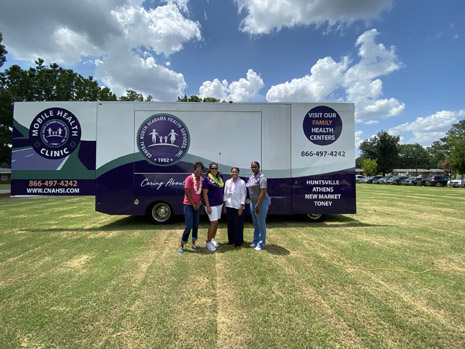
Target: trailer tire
(160,213)
(315,217)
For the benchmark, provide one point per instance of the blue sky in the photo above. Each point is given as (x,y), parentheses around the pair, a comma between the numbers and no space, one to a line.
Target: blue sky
(401,62)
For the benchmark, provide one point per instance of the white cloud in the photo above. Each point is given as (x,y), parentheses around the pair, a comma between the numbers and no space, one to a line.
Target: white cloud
(266,16)
(242,90)
(425,130)
(358,139)
(70,44)
(164,28)
(246,89)
(360,81)
(47,28)
(215,88)
(111,32)
(325,76)
(385,107)
(375,60)
(122,70)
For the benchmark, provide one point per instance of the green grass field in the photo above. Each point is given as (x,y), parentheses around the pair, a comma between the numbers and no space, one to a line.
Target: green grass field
(391,276)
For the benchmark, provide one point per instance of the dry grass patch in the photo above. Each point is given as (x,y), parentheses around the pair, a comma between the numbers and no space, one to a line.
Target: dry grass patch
(231,320)
(75,264)
(343,334)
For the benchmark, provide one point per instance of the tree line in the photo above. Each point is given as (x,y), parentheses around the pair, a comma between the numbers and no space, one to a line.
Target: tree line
(383,153)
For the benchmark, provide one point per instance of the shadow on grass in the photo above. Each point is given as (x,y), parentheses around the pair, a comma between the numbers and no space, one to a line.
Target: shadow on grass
(141,223)
(273,221)
(272,249)
(329,221)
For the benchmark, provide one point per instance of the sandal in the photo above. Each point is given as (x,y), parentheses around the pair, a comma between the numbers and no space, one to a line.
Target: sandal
(195,248)
(180,250)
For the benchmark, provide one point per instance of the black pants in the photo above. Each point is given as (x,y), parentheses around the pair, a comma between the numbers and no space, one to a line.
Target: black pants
(235,226)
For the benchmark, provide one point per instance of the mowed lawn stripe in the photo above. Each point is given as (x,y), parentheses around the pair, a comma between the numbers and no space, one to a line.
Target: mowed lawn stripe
(307,280)
(347,243)
(267,308)
(351,292)
(176,305)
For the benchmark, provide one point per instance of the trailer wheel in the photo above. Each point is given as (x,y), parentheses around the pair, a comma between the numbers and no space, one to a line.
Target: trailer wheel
(315,217)
(160,213)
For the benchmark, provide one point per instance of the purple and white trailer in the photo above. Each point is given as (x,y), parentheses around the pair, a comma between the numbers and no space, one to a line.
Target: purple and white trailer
(134,156)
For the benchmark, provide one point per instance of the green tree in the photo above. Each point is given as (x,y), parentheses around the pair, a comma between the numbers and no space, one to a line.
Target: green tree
(3,51)
(439,152)
(369,167)
(455,140)
(359,161)
(194,98)
(133,96)
(413,156)
(384,148)
(211,100)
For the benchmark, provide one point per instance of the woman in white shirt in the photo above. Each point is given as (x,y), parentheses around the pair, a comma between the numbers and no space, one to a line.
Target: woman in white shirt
(235,193)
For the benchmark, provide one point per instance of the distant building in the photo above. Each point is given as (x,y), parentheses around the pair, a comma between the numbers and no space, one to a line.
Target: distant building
(411,171)
(417,171)
(5,175)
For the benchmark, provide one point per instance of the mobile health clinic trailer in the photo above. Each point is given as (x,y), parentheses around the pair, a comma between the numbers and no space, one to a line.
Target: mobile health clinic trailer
(135,156)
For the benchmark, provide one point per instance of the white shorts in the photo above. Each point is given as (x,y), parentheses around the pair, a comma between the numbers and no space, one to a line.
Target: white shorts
(216,212)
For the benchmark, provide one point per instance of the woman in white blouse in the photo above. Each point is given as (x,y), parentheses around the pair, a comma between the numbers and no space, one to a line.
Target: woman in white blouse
(235,193)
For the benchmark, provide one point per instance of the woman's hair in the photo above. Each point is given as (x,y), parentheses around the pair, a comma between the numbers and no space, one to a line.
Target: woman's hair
(198,164)
(210,166)
(256,163)
(235,168)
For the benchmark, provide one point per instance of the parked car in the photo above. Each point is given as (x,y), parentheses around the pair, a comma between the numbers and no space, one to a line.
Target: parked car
(410,181)
(459,182)
(434,181)
(381,180)
(359,178)
(396,179)
(423,181)
(367,179)
(372,179)
(417,180)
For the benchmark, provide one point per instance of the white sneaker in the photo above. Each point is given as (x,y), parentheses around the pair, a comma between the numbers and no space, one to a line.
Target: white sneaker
(214,243)
(252,245)
(258,248)
(210,246)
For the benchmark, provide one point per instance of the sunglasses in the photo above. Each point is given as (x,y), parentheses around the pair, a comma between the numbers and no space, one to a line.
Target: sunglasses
(213,168)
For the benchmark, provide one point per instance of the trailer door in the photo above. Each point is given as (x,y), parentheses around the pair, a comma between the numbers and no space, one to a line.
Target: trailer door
(168,142)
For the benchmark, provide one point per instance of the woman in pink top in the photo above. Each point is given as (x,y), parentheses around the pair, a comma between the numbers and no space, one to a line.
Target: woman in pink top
(192,203)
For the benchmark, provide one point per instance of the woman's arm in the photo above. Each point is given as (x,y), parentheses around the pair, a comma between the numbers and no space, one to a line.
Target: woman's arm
(205,199)
(189,198)
(242,196)
(260,200)
(243,192)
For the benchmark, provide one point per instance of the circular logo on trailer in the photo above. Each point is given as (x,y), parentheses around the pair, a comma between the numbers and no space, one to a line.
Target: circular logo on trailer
(163,139)
(322,125)
(55,133)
